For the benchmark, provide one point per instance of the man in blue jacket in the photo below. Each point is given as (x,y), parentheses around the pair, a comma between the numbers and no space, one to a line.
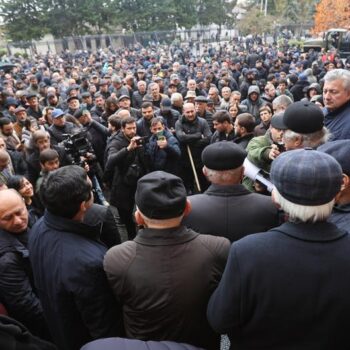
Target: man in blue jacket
(336,97)
(67,257)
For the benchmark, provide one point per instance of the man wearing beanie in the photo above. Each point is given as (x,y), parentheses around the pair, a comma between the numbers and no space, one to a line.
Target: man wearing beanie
(340,150)
(305,126)
(165,276)
(288,288)
(227,208)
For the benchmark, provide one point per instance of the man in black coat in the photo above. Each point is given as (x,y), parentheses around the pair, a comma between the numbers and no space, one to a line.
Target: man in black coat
(17,291)
(288,288)
(77,301)
(194,135)
(125,164)
(60,127)
(226,208)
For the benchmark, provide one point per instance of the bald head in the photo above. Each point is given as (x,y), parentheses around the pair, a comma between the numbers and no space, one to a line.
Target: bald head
(124,113)
(13,212)
(189,111)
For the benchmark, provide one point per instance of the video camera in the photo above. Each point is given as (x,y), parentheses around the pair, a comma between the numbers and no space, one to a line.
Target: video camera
(77,146)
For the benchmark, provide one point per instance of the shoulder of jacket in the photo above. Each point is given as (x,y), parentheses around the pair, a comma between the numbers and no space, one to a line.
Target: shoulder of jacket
(214,244)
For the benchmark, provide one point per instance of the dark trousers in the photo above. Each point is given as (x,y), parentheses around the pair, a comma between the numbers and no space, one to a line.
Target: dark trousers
(126,217)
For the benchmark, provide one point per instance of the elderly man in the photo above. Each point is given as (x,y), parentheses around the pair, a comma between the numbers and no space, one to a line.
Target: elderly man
(165,276)
(305,126)
(17,291)
(226,208)
(288,288)
(336,97)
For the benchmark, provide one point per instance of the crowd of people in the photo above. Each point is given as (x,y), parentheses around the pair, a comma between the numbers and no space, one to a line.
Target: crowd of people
(229,171)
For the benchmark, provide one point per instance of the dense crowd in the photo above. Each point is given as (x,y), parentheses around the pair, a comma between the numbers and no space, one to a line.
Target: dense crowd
(181,148)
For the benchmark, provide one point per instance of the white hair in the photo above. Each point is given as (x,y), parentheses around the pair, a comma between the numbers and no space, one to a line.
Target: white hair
(219,176)
(339,74)
(176,96)
(303,213)
(312,140)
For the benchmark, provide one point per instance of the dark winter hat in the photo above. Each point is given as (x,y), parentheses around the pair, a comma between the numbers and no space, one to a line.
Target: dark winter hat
(72,98)
(31,95)
(160,195)
(340,150)
(10,101)
(277,121)
(85,95)
(306,177)
(201,99)
(303,117)
(122,97)
(223,156)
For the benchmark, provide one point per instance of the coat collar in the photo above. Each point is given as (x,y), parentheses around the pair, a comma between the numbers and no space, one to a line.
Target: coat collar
(226,190)
(66,225)
(318,232)
(165,237)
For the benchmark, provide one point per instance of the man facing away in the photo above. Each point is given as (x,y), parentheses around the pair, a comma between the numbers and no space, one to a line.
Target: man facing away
(226,208)
(165,276)
(288,288)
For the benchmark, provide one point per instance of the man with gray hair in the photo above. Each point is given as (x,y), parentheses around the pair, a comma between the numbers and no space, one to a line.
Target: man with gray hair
(305,126)
(177,101)
(336,97)
(289,287)
(280,103)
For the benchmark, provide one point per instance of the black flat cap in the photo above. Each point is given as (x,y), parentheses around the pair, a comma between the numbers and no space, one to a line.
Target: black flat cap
(277,121)
(160,195)
(123,96)
(72,98)
(223,155)
(85,95)
(303,117)
(201,99)
(31,95)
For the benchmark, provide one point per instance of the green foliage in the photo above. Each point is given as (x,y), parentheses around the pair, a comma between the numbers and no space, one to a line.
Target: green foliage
(217,12)
(255,22)
(23,19)
(3,52)
(27,20)
(287,11)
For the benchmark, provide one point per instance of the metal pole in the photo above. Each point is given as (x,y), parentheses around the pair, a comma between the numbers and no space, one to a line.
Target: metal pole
(193,168)
(265,7)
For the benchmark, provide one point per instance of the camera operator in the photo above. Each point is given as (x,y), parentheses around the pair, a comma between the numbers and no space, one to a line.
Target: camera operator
(96,133)
(126,163)
(80,151)
(59,126)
